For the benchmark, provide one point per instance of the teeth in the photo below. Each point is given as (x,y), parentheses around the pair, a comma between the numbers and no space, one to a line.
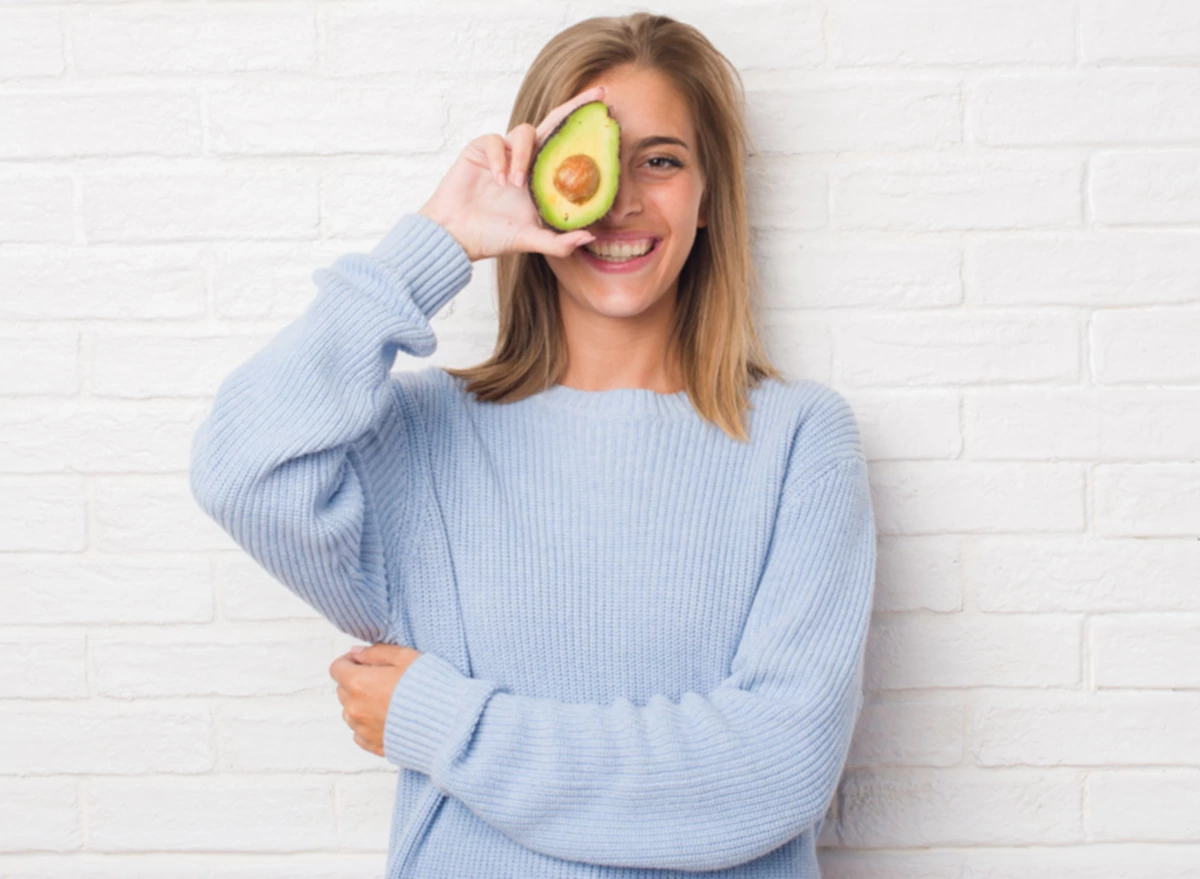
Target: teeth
(623,251)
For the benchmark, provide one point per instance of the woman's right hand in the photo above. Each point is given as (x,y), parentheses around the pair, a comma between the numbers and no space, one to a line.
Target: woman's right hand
(483,200)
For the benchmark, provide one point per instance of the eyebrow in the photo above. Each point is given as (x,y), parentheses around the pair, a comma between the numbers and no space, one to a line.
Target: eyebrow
(658,139)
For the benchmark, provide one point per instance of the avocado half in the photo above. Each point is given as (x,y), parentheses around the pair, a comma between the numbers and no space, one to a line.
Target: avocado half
(575,173)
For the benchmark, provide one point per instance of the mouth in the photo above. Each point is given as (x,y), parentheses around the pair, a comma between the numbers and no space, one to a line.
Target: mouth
(620,260)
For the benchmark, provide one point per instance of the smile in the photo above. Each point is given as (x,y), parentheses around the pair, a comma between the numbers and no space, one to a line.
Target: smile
(627,257)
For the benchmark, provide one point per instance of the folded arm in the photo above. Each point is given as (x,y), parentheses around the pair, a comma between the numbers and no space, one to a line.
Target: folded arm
(703,783)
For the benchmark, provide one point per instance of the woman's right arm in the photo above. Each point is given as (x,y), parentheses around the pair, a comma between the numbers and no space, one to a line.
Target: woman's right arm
(277,462)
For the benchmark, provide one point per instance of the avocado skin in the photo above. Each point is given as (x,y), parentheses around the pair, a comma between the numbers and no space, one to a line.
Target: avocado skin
(610,169)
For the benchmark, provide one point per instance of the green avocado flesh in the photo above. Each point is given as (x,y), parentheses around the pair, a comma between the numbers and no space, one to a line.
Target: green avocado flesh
(575,172)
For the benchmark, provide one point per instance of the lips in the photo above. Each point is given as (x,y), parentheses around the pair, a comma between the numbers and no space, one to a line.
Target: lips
(615,266)
(599,247)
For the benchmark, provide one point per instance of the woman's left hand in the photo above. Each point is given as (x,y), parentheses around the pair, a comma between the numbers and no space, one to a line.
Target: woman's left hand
(366,677)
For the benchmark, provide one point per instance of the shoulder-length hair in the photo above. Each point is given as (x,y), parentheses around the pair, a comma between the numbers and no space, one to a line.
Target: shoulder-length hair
(720,352)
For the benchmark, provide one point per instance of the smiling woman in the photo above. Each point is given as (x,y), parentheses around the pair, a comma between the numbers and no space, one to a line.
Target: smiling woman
(621,573)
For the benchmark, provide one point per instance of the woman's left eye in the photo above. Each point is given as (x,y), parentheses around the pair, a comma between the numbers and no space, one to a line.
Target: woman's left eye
(668,159)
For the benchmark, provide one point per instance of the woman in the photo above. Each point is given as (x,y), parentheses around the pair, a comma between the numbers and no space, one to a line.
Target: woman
(618,629)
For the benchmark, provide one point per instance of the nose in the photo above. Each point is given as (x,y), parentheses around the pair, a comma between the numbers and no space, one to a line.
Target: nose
(628,199)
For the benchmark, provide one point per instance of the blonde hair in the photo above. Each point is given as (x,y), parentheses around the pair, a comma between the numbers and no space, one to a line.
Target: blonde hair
(720,353)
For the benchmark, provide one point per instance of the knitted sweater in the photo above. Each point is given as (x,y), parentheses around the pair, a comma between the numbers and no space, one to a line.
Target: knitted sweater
(642,640)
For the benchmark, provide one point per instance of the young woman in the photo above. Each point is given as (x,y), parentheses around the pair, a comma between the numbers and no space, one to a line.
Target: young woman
(619,576)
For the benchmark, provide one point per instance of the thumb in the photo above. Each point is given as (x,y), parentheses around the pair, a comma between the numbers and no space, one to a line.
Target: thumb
(548,241)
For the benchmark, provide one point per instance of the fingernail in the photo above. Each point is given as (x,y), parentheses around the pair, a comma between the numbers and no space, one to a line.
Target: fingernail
(520,180)
(500,177)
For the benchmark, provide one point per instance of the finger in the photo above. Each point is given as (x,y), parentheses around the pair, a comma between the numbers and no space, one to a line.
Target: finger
(553,243)
(562,111)
(343,694)
(497,153)
(338,668)
(521,139)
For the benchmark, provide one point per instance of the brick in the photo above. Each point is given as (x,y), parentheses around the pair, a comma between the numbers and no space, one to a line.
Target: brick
(952,32)
(302,737)
(857,271)
(839,117)
(1147,188)
(90,436)
(1133,861)
(794,39)
(249,592)
(107,122)
(1085,730)
(81,590)
(194,865)
(1165,31)
(185,38)
(400,40)
(154,515)
(1033,574)
(1082,423)
(907,424)
(1147,500)
(42,513)
(40,814)
(52,662)
(40,365)
(946,194)
(144,366)
(917,573)
(799,346)
(364,205)
(104,739)
(1146,346)
(1097,107)
(365,804)
(956,807)
(37,208)
(956,650)
(1149,652)
(934,497)
(202,662)
(217,203)
(907,733)
(31,44)
(111,283)
(1096,269)
(786,193)
(954,348)
(272,281)
(1117,805)
(210,813)
(277,117)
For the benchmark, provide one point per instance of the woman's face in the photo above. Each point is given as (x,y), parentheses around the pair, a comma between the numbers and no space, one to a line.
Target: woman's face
(658,198)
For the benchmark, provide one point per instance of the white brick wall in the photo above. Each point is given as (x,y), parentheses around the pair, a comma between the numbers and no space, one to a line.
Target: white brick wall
(978,219)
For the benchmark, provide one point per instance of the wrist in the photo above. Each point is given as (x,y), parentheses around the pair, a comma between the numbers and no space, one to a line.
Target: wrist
(444,222)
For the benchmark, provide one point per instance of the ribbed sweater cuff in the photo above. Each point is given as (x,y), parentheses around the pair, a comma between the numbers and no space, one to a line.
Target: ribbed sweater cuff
(428,258)
(433,712)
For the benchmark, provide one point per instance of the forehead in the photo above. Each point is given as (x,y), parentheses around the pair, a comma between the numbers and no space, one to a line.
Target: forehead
(644,102)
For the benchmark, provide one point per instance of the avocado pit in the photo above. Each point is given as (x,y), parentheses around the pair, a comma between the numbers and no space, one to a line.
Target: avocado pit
(577,178)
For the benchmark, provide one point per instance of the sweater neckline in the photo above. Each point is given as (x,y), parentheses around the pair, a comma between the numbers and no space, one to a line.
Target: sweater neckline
(616,401)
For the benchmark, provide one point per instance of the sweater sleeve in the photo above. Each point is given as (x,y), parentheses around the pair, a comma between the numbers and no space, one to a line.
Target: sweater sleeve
(702,783)
(278,460)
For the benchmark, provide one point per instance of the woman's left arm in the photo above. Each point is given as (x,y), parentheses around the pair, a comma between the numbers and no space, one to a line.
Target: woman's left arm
(700,784)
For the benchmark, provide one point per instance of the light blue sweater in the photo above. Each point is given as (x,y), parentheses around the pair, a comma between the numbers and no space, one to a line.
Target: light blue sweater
(642,640)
